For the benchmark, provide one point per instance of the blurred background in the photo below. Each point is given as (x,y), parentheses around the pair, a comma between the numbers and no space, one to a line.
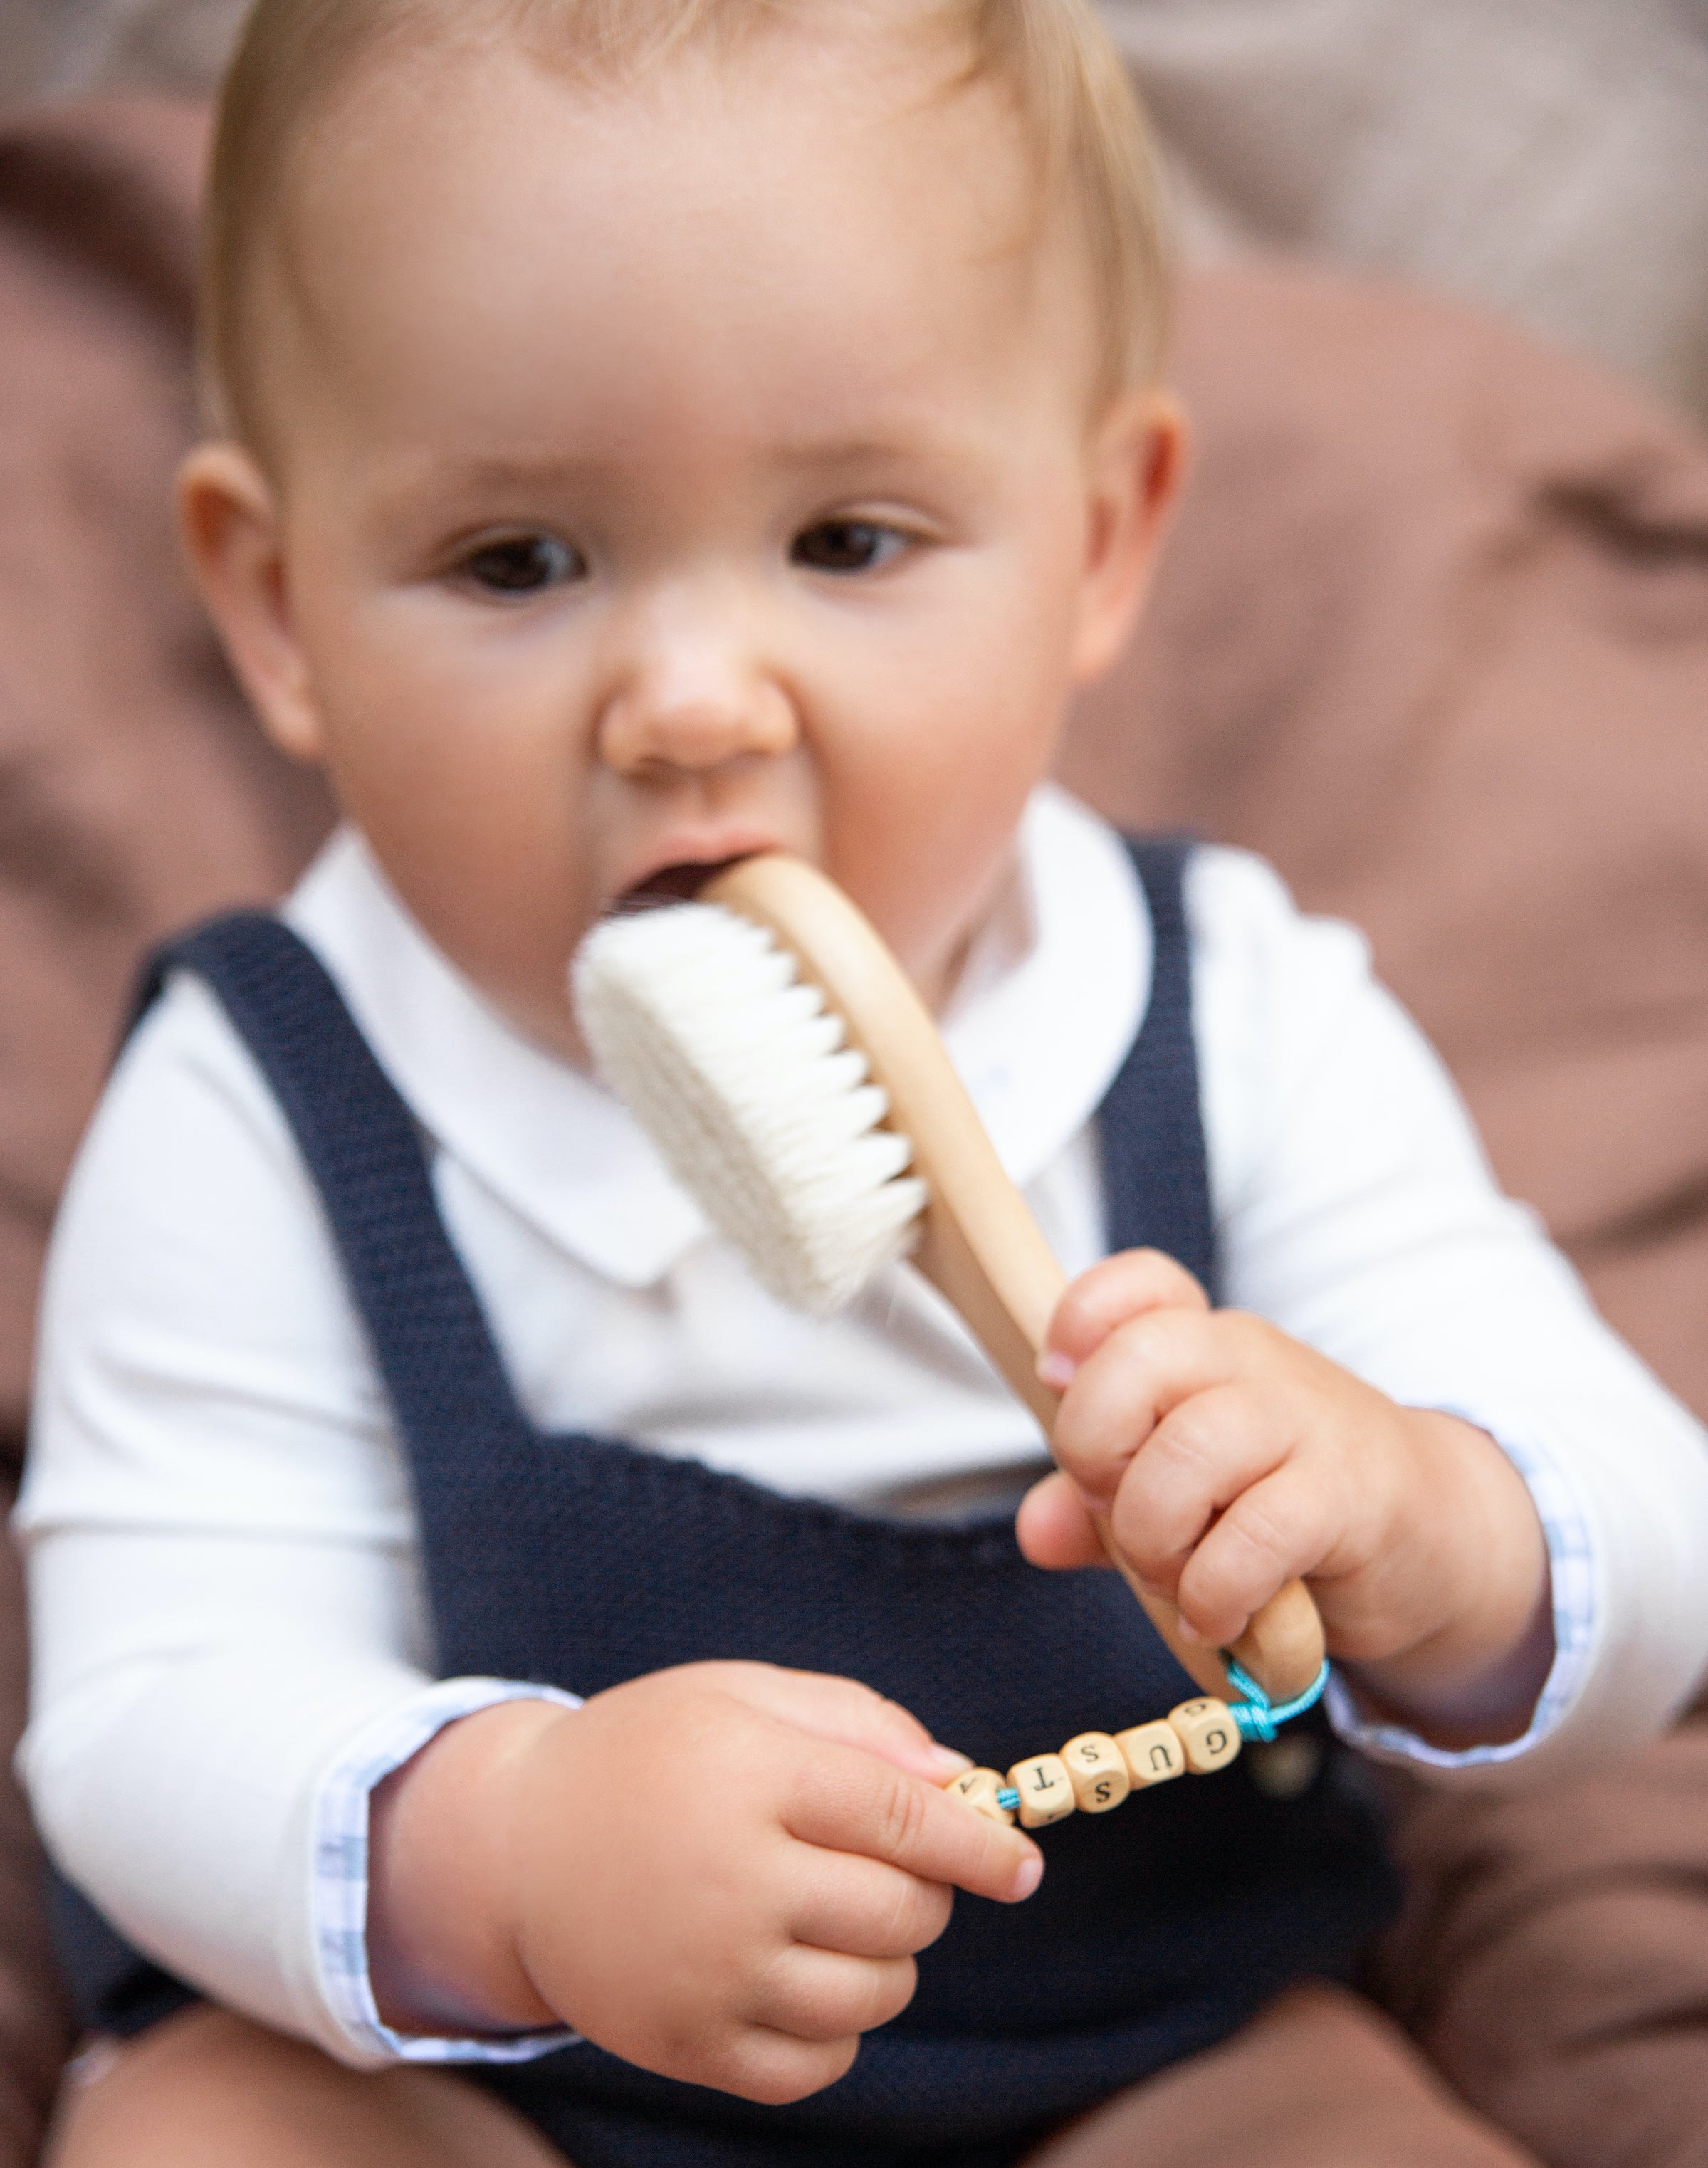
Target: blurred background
(1547,157)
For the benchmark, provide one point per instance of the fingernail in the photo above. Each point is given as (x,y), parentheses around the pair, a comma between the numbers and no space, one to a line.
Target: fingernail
(1056,1369)
(1030,1875)
(949,1761)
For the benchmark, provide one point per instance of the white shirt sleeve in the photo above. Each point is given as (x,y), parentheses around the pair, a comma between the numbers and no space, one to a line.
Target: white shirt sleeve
(1356,1211)
(225,1598)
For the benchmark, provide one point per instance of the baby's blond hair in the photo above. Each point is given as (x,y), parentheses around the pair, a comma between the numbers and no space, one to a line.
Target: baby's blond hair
(1053,57)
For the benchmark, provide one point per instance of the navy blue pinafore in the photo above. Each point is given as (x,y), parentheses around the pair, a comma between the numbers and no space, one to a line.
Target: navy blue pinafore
(1159,1929)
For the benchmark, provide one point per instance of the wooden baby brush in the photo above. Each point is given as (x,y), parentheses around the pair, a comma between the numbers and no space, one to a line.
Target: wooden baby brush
(796,1085)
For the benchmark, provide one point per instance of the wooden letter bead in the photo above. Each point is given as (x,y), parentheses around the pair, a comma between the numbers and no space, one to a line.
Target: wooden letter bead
(1045,1794)
(979,1788)
(1208,1733)
(1096,1771)
(1153,1753)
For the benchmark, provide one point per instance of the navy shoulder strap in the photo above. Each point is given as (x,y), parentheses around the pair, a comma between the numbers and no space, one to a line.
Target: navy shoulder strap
(1156,1172)
(365,1153)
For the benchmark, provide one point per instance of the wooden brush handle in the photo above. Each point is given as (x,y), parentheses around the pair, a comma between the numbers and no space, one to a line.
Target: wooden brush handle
(979,1244)
(1282,1646)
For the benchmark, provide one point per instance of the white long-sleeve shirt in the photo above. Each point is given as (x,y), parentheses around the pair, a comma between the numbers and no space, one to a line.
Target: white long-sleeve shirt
(229,1625)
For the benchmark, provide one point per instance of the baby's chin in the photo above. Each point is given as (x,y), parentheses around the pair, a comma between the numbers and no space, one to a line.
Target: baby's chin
(547,1023)
(534,1006)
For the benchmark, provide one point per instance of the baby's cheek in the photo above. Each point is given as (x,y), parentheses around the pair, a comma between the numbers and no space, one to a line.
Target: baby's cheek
(929,873)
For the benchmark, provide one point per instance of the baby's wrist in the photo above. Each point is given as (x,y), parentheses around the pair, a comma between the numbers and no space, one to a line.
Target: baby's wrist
(1473,1671)
(442,1903)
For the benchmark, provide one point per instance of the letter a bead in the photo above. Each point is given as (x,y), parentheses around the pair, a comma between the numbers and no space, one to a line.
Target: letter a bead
(1153,1753)
(1208,1733)
(1045,1794)
(979,1788)
(1096,1771)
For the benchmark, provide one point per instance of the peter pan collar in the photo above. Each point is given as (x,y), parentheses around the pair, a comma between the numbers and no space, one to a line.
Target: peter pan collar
(1048,1003)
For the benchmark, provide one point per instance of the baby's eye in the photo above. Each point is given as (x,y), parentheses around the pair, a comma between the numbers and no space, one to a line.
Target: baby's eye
(521,564)
(848,545)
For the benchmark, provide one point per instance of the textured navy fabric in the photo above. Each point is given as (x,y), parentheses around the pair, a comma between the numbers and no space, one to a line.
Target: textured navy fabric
(1157,1930)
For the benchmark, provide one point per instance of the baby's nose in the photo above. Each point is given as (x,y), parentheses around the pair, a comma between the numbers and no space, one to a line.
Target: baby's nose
(693,712)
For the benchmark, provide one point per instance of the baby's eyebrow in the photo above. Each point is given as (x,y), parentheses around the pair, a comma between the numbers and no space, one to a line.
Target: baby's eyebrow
(490,469)
(842,451)
(923,445)
(423,482)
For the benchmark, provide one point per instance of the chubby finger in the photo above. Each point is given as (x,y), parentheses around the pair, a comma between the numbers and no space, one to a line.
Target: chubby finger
(1145,1369)
(864,1907)
(1279,1528)
(776,2068)
(844,1710)
(1201,1458)
(1054,1527)
(852,1802)
(1130,1285)
(823,1996)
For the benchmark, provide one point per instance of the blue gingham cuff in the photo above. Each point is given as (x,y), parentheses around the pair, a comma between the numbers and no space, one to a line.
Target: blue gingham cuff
(1576,1604)
(340,1894)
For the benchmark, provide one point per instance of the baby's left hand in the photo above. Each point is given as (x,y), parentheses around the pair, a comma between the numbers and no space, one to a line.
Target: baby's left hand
(1228,1458)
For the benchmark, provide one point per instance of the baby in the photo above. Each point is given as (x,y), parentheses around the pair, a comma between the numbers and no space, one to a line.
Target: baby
(649,432)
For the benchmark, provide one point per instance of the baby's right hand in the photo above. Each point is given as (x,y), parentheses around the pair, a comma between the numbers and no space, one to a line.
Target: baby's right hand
(721,1873)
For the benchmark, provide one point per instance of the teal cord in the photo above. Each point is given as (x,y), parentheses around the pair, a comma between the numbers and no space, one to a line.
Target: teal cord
(1260,1717)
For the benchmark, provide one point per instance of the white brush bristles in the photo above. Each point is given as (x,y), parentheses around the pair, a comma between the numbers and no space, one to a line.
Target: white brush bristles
(741,1076)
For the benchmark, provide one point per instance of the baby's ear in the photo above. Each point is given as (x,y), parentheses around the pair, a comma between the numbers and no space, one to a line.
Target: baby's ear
(228,517)
(1135,465)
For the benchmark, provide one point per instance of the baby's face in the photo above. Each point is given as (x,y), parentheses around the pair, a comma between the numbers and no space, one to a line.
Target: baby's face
(659,476)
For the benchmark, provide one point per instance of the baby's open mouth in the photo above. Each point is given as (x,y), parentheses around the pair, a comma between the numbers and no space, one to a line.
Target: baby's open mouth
(680,884)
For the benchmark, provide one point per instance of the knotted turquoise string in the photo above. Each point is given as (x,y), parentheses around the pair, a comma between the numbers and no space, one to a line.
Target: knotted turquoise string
(1260,1717)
